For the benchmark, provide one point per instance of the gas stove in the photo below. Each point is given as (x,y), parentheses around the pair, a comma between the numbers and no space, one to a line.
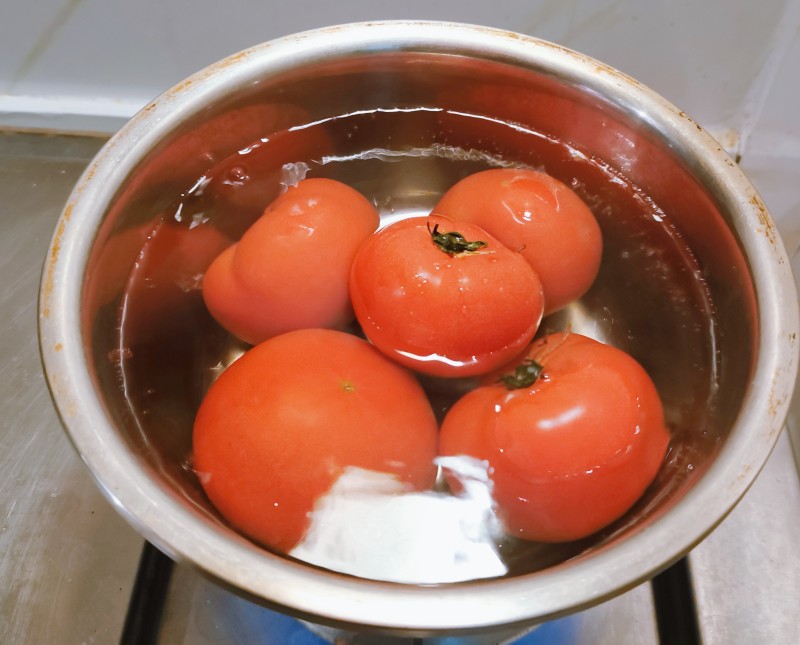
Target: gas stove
(75,572)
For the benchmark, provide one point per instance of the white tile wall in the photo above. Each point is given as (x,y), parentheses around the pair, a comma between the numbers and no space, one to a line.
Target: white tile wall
(92,63)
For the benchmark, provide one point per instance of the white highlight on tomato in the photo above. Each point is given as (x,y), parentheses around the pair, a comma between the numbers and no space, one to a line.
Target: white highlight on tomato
(369,526)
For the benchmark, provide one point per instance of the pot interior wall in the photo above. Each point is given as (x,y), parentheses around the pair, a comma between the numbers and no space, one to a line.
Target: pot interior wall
(673,289)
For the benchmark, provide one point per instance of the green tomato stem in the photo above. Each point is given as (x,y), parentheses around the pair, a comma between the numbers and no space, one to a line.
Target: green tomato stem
(524,375)
(453,243)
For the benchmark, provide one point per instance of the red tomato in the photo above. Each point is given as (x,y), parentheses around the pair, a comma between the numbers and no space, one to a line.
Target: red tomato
(537,215)
(571,452)
(447,313)
(164,284)
(283,422)
(290,269)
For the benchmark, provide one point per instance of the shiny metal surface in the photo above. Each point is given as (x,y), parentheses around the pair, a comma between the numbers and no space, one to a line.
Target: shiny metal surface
(199,612)
(136,172)
(746,574)
(754,596)
(67,560)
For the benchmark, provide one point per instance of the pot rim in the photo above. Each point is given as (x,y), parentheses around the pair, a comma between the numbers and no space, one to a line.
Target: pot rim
(343,600)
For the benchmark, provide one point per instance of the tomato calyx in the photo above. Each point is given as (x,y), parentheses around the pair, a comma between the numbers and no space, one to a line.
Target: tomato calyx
(524,375)
(453,243)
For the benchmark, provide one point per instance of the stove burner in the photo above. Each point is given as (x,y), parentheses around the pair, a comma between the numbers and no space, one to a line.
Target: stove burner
(673,599)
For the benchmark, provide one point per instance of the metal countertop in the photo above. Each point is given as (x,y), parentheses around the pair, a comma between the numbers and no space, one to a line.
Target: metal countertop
(69,562)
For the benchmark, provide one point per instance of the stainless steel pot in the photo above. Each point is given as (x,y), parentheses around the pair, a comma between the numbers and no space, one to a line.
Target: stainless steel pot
(721,345)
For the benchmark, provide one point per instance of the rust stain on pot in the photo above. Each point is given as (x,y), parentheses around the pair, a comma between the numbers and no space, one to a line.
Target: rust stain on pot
(58,347)
(683,115)
(52,260)
(513,35)
(775,404)
(175,91)
(556,47)
(67,407)
(744,475)
(780,393)
(612,71)
(180,87)
(89,174)
(232,60)
(600,67)
(778,396)
(767,225)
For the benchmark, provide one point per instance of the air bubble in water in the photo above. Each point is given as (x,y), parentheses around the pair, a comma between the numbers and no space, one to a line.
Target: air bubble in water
(119,354)
(236,176)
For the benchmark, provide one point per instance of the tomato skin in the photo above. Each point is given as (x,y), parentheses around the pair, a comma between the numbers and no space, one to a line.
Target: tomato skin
(571,453)
(280,425)
(539,216)
(290,269)
(243,184)
(440,314)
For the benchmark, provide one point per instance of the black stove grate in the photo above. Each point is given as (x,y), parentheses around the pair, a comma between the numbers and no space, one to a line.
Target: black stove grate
(673,599)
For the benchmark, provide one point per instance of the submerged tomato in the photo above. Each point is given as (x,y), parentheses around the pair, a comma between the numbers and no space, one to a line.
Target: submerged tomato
(163,287)
(290,269)
(537,215)
(429,300)
(571,452)
(284,421)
